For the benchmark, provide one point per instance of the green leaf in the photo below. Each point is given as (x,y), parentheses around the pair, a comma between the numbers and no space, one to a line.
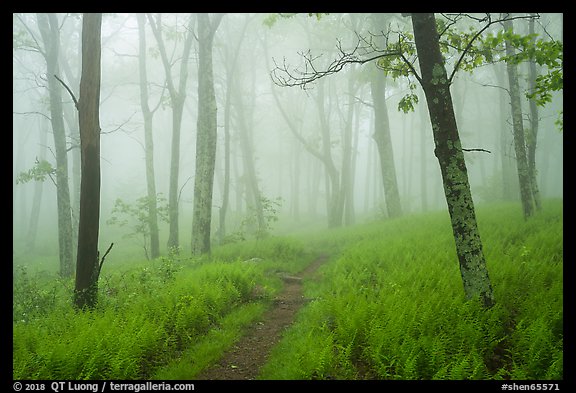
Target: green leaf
(406,104)
(38,172)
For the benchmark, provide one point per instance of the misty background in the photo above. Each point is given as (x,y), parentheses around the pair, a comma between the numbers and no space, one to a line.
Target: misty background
(285,169)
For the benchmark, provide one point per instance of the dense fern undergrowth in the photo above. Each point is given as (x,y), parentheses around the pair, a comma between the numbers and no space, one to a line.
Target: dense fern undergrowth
(387,305)
(391,304)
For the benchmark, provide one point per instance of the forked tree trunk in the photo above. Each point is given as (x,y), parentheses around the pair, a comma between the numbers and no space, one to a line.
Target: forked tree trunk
(177,98)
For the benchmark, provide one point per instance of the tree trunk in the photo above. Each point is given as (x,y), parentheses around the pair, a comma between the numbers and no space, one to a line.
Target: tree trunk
(384,143)
(347,177)
(332,178)
(87,264)
(71,117)
(226,191)
(451,159)
(423,162)
(148,141)
(505,141)
(382,133)
(244,114)
(334,200)
(51,37)
(533,131)
(518,126)
(295,170)
(206,137)
(253,197)
(177,98)
(37,199)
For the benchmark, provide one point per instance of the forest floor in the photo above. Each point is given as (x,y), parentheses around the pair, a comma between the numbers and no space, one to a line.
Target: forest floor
(244,359)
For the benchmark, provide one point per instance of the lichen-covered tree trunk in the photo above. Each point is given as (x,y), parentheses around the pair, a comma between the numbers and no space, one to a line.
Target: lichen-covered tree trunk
(518,127)
(206,137)
(148,140)
(450,156)
(48,25)
(87,264)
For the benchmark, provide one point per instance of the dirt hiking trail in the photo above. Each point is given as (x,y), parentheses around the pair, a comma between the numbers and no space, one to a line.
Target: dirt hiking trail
(244,359)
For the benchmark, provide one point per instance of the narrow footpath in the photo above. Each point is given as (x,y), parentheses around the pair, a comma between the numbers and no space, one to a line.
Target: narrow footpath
(244,359)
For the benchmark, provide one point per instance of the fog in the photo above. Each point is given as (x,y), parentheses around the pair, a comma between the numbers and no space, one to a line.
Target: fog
(286,167)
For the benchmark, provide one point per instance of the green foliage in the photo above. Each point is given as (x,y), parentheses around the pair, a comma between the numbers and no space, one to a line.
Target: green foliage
(31,297)
(391,306)
(388,305)
(463,42)
(474,48)
(545,53)
(395,64)
(210,347)
(38,172)
(406,103)
(142,322)
(287,254)
(250,225)
(271,19)
(137,216)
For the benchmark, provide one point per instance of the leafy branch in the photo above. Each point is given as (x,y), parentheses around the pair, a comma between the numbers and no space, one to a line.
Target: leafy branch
(398,57)
(38,172)
(137,216)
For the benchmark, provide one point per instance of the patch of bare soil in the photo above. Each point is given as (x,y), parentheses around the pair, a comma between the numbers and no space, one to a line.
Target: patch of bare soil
(244,359)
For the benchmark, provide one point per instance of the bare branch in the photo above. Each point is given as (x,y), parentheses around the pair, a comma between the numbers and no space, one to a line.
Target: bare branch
(69,92)
(482,150)
(73,146)
(369,104)
(38,47)
(159,99)
(490,85)
(363,52)
(119,128)
(181,189)
(32,113)
(103,258)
